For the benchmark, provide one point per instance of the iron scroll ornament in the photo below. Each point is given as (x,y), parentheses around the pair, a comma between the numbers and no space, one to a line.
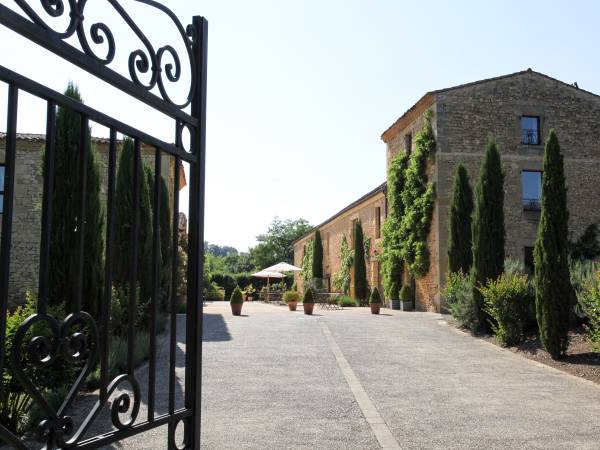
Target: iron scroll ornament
(57,430)
(141,61)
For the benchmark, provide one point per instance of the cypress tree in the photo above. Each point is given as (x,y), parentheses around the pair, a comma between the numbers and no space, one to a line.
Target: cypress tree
(317,262)
(460,253)
(488,227)
(360,270)
(124,218)
(65,216)
(553,288)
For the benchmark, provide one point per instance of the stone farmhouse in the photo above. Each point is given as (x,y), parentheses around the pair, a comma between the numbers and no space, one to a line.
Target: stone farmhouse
(26,235)
(517,110)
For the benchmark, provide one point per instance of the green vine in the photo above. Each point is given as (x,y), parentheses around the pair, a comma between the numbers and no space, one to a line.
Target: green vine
(341,280)
(307,261)
(418,197)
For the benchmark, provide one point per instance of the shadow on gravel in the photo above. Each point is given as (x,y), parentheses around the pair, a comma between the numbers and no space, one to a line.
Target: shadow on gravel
(215,328)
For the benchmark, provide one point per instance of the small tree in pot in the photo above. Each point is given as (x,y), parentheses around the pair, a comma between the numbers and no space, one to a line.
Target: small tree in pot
(291,298)
(406,298)
(375,301)
(308,302)
(236,301)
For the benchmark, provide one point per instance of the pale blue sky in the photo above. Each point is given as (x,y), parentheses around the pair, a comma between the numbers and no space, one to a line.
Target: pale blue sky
(300,92)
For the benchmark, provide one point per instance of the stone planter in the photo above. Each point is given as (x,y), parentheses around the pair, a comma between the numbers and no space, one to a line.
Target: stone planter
(407,306)
(292,306)
(308,308)
(395,304)
(375,307)
(236,309)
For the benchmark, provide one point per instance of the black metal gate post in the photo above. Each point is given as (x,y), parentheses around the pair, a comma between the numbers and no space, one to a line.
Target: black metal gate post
(81,338)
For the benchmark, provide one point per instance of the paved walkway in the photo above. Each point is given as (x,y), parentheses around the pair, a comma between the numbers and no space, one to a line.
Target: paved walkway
(275,379)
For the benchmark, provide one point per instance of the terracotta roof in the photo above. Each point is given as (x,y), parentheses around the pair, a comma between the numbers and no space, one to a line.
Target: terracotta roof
(381,188)
(426,100)
(42,138)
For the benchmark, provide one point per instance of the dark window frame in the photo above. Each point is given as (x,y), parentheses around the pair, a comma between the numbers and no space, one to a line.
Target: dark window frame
(530,204)
(2,165)
(525,140)
(377,222)
(408,143)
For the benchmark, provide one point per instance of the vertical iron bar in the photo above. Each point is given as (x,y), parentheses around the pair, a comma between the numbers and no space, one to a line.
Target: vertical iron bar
(134,257)
(108,265)
(5,239)
(83,158)
(196,241)
(47,207)
(156,260)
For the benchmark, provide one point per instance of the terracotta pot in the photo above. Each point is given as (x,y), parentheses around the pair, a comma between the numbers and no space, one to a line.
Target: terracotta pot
(308,308)
(292,306)
(236,309)
(375,307)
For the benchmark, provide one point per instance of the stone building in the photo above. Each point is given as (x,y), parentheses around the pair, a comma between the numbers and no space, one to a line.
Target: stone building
(26,234)
(517,110)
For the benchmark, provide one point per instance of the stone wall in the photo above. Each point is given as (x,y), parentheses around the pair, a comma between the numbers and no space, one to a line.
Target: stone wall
(468,116)
(341,225)
(26,235)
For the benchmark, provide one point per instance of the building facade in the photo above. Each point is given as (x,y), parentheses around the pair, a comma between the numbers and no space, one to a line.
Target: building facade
(27,208)
(516,110)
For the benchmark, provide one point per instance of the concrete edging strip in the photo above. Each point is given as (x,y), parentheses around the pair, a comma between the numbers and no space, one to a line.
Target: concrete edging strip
(380,429)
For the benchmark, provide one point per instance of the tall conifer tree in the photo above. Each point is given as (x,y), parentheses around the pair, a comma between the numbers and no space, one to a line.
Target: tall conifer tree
(317,262)
(460,253)
(552,281)
(360,269)
(66,193)
(488,227)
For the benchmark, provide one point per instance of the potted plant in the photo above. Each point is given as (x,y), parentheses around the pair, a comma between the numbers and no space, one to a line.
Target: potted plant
(308,302)
(236,301)
(249,292)
(291,298)
(375,301)
(395,294)
(406,298)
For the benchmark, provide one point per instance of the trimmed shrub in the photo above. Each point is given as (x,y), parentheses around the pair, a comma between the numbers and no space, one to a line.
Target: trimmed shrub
(308,296)
(317,261)
(212,293)
(406,293)
(590,301)
(236,296)
(291,296)
(345,300)
(552,279)
(507,301)
(488,227)
(459,299)
(460,253)
(375,297)
(588,245)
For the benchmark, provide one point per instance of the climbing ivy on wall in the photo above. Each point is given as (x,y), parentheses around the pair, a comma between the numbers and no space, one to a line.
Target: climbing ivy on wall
(307,262)
(341,280)
(418,196)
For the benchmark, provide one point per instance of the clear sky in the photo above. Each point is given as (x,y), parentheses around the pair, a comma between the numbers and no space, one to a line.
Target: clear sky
(300,92)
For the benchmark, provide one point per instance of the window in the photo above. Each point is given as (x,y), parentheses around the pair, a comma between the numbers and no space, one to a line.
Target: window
(530,130)
(377,222)
(528,259)
(407,142)
(532,190)
(2,167)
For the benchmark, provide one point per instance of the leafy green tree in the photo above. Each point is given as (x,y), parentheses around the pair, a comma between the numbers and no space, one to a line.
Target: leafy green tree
(488,227)
(276,245)
(588,245)
(64,251)
(360,269)
(317,261)
(552,281)
(124,221)
(460,252)
(392,263)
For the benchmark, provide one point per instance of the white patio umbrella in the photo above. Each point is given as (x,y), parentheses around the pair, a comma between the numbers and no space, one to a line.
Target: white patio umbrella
(268,274)
(283,267)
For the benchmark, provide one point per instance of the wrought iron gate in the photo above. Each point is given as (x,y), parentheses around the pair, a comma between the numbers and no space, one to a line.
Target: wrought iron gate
(80,338)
